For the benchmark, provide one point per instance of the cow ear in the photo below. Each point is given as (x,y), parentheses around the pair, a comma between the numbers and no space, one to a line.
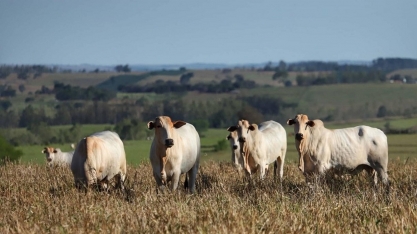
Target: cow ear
(44,151)
(151,125)
(178,124)
(311,123)
(57,150)
(228,137)
(232,128)
(290,122)
(253,127)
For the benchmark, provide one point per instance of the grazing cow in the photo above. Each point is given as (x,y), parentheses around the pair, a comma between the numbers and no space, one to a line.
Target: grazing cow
(55,157)
(262,145)
(98,158)
(234,145)
(341,150)
(175,150)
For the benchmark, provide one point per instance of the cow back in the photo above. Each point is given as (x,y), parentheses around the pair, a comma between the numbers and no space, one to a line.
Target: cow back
(273,138)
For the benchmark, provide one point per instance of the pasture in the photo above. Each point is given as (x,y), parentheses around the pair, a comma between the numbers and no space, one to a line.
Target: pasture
(36,198)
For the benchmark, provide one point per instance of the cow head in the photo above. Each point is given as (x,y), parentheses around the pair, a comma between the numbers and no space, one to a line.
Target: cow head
(242,130)
(301,124)
(234,145)
(302,129)
(164,129)
(50,153)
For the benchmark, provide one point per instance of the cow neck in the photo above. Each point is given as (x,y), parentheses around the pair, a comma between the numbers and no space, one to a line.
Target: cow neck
(301,150)
(163,155)
(246,152)
(246,149)
(307,148)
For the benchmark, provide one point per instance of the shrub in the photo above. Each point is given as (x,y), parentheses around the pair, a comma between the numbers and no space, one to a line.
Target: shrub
(221,145)
(8,152)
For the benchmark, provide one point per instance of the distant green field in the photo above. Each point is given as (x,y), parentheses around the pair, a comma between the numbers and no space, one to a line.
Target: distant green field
(136,151)
(400,147)
(341,102)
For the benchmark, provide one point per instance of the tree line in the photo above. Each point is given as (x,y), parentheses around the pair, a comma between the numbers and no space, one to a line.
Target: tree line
(129,117)
(161,86)
(380,64)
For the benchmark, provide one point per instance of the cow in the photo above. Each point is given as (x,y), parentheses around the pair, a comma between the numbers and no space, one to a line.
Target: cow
(262,145)
(175,150)
(346,150)
(55,157)
(97,159)
(237,159)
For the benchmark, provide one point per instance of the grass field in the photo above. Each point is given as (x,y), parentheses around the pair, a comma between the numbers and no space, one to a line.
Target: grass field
(36,198)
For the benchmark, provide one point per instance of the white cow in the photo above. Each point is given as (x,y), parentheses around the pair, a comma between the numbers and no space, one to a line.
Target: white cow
(98,158)
(262,145)
(341,150)
(237,159)
(175,150)
(55,157)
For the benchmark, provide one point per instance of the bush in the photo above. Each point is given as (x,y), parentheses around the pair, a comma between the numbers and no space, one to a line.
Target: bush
(201,125)
(221,145)
(131,129)
(8,152)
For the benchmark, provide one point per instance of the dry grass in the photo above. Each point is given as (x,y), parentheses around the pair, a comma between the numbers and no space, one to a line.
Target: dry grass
(38,199)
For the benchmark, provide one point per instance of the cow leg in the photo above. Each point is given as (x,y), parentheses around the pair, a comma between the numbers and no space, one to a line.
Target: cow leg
(160,185)
(192,174)
(120,179)
(186,181)
(175,180)
(372,175)
(383,175)
(280,167)
(275,168)
(262,172)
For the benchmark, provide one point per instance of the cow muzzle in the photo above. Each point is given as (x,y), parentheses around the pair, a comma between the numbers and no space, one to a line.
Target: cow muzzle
(234,147)
(169,143)
(299,136)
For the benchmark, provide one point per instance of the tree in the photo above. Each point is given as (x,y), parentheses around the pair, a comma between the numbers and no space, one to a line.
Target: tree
(268,66)
(7,91)
(282,66)
(280,72)
(239,78)
(22,75)
(185,78)
(201,125)
(251,114)
(30,117)
(22,88)
(382,112)
(44,133)
(5,105)
(122,68)
(280,75)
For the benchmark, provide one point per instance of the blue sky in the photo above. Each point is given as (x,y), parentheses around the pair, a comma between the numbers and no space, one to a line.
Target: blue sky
(216,31)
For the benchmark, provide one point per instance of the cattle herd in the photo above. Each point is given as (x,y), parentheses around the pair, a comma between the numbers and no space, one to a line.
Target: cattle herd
(175,150)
